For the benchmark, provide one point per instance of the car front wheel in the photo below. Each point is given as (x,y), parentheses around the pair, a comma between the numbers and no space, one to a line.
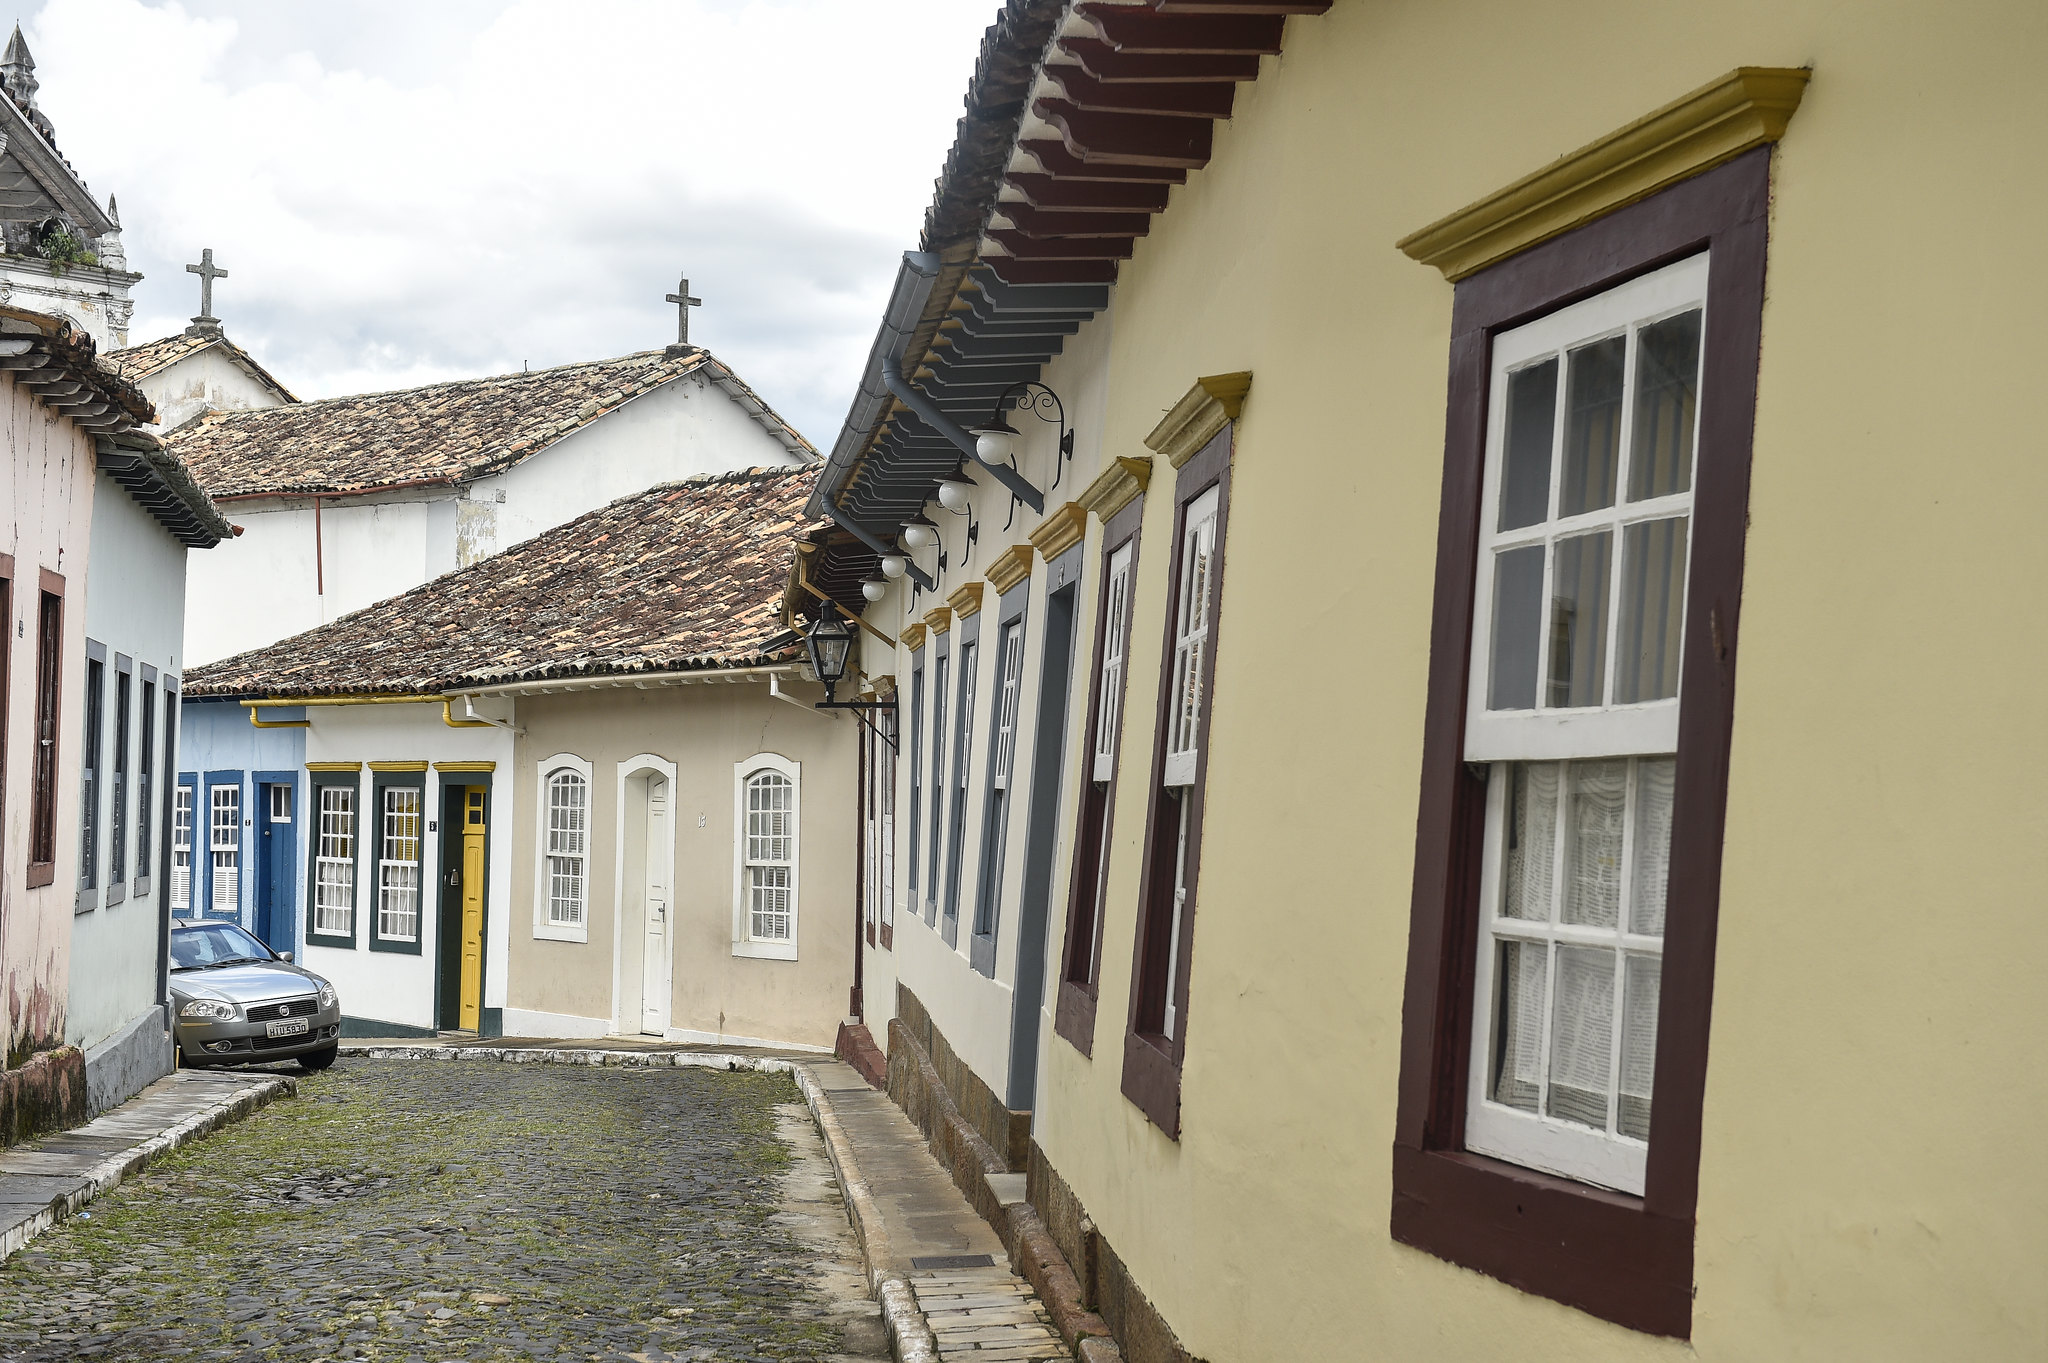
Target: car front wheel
(320,1059)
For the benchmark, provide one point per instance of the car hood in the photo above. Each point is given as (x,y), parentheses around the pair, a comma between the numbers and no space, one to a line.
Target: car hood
(246,983)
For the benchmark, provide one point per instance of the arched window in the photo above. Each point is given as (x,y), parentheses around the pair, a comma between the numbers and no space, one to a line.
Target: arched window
(561,908)
(766,855)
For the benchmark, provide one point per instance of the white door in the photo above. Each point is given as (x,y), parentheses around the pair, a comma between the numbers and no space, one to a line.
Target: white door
(654,951)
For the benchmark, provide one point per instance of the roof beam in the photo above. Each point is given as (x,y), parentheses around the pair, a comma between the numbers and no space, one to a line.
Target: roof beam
(1060,248)
(1130,139)
(1038,222)
(1054,155)
(1144,30)
(1084,196)
(1192,99)
(1112,66)
(1241,6)
(1017,271)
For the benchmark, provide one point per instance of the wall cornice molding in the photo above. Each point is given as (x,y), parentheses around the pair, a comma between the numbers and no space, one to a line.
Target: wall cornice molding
(334,766)
(938,621)
(965,599)
(912,636)
(1749,106)
(465,766)
(1213,403)
(1117,486)
(1013,565)
(1066,525)
(420,765)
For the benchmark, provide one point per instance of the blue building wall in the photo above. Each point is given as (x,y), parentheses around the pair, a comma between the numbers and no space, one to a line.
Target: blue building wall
(220,750)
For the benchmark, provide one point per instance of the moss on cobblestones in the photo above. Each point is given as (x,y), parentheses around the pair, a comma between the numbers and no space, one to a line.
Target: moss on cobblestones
(423,1212)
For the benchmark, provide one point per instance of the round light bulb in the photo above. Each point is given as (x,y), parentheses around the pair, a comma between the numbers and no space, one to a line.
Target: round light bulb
(893,565)
(916,536)
(874,591)
(994,446)
(953,494)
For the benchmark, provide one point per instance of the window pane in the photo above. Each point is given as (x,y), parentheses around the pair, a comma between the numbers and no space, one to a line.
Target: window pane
(1651,875)
(1582,1035)
(1525,460)
(1652,610)
(1578,620)
(1592,843)
(1638,1043)
(1592,429)
(1517,620)
(1532,840)
(1518,1043)
(1667,395)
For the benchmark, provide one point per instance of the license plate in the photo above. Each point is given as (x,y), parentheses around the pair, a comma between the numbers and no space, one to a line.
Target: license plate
(286,1027)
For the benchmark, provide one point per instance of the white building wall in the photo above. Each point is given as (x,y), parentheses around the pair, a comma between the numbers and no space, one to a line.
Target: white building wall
(261,587)
(398,987)
(134,606)
(206,379)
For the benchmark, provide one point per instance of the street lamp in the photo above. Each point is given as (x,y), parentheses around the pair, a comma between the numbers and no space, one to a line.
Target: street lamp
(873,589)
(894,566)
(831,639)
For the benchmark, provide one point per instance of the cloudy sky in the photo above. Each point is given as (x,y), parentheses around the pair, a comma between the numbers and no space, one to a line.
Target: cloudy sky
(406,191)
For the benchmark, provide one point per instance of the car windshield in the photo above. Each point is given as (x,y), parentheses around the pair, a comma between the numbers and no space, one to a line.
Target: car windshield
(211,944)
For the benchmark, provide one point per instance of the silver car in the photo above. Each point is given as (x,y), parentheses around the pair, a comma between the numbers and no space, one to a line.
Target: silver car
(238,1002)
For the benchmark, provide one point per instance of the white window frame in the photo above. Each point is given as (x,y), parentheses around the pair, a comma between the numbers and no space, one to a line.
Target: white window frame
(544,924)
(381,797)
(229,847)
(1109,687)
(743,942)
(1500,738)
(1190,638)
(323,859)
(184,808)
(1609,730)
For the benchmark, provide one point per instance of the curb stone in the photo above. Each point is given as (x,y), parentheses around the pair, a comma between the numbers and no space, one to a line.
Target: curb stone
(117,1169)
(910,1337)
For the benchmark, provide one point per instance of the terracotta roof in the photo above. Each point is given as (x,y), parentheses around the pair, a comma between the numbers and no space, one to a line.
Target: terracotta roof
(684,576)
(137,362)
(442,433)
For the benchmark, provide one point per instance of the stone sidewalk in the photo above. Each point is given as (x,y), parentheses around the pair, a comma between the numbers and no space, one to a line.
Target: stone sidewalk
(939,1269)
(48,1179)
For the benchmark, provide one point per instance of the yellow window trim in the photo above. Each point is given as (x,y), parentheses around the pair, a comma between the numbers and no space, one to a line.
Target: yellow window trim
(334,766)
(1208,407)
(1116,486)
(465,766)
(1012,566)
(913,636)
(966,600)
(938,620)
(1059,530)
(1745,108)
(399,766)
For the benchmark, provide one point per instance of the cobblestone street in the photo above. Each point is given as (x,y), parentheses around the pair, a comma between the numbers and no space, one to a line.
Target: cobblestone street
(420,1212)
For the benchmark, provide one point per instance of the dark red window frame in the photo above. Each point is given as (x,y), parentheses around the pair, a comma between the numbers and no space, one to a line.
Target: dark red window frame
(1625,1259)
(1074,1013)
(49,722)
(1152,1060)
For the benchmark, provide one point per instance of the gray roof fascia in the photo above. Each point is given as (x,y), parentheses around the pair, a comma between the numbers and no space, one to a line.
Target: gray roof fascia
(161,484)
(52,171)
(914,280)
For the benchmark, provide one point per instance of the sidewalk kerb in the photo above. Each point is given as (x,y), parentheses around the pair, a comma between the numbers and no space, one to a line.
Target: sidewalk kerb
(116,1169)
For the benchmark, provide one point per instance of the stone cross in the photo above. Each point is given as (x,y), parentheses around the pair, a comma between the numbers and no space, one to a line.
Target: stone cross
(207,272)
(684,302)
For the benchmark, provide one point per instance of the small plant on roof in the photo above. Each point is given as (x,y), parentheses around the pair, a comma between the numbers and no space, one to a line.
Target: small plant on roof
(58,246)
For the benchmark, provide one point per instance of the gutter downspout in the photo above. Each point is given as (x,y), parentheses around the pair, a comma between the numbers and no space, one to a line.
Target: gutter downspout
(469,708)
(779,694)
(914,398)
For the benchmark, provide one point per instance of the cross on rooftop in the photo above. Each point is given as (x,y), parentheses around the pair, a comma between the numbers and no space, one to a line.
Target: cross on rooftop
(207,272)
(684,302)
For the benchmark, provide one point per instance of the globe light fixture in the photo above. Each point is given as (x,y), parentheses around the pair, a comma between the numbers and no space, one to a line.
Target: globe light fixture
(954,495)
(874,590)
(894,566)
(995,442)
(916,536)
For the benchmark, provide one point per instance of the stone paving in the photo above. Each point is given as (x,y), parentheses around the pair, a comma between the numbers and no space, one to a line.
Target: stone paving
(421,1212)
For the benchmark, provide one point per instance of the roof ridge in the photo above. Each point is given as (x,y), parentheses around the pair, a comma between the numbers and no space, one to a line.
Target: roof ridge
(302,405)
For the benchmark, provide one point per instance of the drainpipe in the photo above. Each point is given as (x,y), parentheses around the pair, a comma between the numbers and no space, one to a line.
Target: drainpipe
(915,399)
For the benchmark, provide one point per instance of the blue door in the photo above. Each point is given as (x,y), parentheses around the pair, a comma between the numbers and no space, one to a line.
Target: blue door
(276,859)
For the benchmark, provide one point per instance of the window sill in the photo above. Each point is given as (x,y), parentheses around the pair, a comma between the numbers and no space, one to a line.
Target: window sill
(1152,1080)
(333,940)
(1074,1017)
(142,887)
(766,951)
(87,901)
(552,932)
(410,948)
(1601,1252)
(887,941)
(118,894)
(41,873)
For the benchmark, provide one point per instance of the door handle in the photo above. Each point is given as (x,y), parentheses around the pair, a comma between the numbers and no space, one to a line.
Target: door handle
(452,878)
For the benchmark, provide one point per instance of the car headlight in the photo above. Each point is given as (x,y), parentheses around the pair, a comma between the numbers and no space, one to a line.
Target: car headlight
(217,1009)
(327,996)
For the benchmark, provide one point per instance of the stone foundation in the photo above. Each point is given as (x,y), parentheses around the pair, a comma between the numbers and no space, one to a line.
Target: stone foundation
(1106,1285)
(1007,1133)
(45,1093)
(117,1069)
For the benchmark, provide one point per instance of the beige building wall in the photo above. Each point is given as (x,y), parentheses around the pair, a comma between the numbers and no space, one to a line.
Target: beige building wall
(1868,1186)
(700,731)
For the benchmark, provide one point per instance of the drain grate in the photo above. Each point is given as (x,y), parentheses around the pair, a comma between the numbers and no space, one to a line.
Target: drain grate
(954,1261)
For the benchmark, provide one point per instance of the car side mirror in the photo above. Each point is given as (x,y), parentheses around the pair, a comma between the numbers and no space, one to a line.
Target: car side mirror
(285,956)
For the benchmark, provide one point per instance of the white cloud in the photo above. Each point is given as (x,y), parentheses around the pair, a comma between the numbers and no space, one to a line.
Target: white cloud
(406,192)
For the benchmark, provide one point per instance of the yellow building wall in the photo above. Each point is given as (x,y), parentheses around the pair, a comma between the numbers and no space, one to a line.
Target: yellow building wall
(1869,1187)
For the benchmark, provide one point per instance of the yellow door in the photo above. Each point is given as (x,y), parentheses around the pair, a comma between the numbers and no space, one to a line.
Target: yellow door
(472,907)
